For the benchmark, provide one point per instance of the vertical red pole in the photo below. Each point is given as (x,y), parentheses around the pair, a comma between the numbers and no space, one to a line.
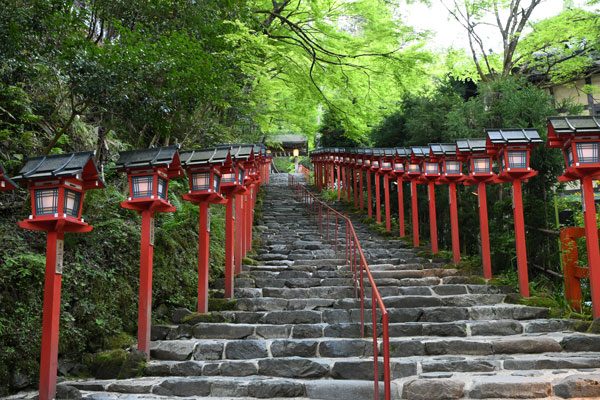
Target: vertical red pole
(401,207)
(432,218)
(454,222)
(361,197)
(369,201)
(377,199)
(520,238)
(348,184)
(339,182)
(332,177)
(203,257)
(50,318)
(229,225)
(145,291)
(591,242)
(239,235)
(251,215)
(414,209)
(386,197)
(355,182)
(484,231)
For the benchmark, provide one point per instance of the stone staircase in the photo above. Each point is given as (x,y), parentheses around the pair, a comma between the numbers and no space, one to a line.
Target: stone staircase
(295,332)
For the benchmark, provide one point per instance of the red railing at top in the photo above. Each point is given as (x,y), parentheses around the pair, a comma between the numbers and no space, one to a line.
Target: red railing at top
(326,216)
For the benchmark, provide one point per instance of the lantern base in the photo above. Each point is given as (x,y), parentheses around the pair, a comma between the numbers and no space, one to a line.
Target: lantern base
(575,173)
(55,224)
(212,198)
(153,205)
(234,189)
(505,177)
(475,179)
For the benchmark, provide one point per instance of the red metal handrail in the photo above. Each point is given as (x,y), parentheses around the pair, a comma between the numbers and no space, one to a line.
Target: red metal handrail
(324,214)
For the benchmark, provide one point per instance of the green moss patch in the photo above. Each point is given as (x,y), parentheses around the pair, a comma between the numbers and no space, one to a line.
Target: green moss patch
(116,364)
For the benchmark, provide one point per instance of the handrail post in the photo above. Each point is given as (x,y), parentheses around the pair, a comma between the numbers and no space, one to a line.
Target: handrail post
(375,344)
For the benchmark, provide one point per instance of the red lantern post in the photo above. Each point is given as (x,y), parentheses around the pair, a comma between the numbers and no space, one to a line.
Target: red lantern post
(414,175)
(57,185)
(579,139)
(375,166)
(451,173)
(398,172)
(355,170)
(359,170)
(474,153)
(430,167)
(202,167)
(148,173)
(337,161)
(512,148)
(386,171)
(367,160)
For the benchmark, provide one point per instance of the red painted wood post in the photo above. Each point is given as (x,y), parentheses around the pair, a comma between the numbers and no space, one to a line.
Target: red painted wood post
(348,184)
(591,242)
(369,201)
(332,177)
(355,183)
(386,197)
(339,182)
(520,238)
(50,317)
(414,209)
(401,207)
(377,199)
(361,197)
(203,257)
(229,232)
(484,231)
(250,214)
(454,222)
(145,290)
(432,218)
(239,235)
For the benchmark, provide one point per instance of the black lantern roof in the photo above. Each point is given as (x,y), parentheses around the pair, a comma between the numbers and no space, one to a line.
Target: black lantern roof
(443,149)
(62,166)
(389,152)
(576,125)
(513,136)
(420,151)
(471,145)
(260,149)
(241,152)
(402,151)
(377,152)
(5,178)
(153,157)
(204,157)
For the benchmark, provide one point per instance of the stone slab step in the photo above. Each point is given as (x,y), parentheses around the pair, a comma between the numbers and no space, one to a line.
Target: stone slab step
(250,387)
(396,315)
(562,384)
(353,330)
(247,349)
(301,299)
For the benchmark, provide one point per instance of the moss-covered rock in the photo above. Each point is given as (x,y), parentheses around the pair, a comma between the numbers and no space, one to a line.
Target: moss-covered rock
(196,318)
(221,304)
(249,261)
(121,340)
(116,364)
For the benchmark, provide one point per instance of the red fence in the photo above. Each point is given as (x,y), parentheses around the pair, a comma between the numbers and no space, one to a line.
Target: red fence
(325,216)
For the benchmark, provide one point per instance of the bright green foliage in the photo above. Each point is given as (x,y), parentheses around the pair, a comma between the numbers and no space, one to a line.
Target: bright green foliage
(564,47)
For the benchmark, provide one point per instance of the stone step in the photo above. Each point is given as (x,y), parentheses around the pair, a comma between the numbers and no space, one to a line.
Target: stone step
(301,299)
(407,314)
(265,285)
(527,384)
(228,349)
(250,387)
(353,330)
